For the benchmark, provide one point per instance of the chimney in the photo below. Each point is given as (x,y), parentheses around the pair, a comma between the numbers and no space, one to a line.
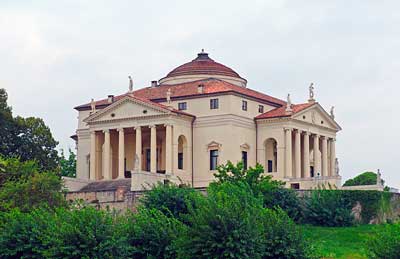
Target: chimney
(200,88)
(154,83)
(110,99)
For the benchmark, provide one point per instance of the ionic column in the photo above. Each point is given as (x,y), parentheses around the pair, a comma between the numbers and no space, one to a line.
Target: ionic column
(333,157)
(138,148)
(92,175)
(297,154)
(317,157)
(288,153)
(107,155)
(153,149)
(121,153)
(324,156)
(306,155)
(168,147)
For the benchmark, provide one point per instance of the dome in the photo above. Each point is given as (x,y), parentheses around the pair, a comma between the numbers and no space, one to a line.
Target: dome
(202,67)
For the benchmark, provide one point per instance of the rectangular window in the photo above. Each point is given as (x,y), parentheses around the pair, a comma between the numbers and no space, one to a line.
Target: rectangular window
(180,161)
(269,166)
(213,159)
(182,106)
(244,105)
(295,186)
(244,159)
(261,108)
(214,104)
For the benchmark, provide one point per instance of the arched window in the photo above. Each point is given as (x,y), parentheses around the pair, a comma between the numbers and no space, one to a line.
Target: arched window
(271,157)
(182,152)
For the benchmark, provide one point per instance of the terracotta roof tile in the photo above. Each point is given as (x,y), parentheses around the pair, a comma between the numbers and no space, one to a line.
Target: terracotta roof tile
(190,89)
(281,111)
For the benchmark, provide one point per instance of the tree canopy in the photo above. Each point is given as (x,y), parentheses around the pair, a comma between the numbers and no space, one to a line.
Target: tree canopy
(366,178)
(26,138)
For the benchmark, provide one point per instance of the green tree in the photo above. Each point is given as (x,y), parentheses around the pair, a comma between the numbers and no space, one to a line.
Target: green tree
(35,142)
(39,190)
(68,164)
(26,138)
(366,178)
(8,129)
(13,169)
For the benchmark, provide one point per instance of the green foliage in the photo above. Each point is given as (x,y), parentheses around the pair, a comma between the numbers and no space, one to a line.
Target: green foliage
(68,164)
(375,204)
(169,199)
(86,233)
(226,224)
(26,138)
(35,142)
(273,192)
(366,178)
(150,234)
(327,207)
(39,190)
(232,223)
(12,169)
(386,243)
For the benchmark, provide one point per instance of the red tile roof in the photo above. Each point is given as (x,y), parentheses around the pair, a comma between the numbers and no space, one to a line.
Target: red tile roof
(203,65)
(281,111)
(190,89)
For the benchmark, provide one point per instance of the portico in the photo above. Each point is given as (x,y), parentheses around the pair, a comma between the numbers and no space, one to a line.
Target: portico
(151,144)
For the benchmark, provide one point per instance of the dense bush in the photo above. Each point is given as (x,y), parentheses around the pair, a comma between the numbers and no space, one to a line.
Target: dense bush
(232,223)
(149,234)
(169,199)
(86,233)
(12,169)
(327,207)
(273,192)
(385,244)
(27,193)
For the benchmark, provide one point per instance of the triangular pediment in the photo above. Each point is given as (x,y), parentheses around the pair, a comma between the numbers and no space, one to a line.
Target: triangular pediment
(128,107)
(316,115)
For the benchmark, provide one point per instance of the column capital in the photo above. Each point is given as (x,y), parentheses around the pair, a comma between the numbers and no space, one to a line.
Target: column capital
(137,127)
(333,139)
(152,126)
(287,129)
(106,131)
(306,133)
(167,124)
(120,129)
(324,137)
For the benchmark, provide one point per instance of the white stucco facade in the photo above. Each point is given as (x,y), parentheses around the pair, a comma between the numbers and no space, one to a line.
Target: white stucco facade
(175,131)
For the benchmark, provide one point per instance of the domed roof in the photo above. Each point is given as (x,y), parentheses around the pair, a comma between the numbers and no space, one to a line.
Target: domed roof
(202,65)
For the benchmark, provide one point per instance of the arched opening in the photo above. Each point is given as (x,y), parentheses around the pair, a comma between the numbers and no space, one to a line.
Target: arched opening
(271,157)
(182,152)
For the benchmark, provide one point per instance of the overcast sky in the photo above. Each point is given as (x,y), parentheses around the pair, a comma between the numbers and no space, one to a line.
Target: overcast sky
(55,55)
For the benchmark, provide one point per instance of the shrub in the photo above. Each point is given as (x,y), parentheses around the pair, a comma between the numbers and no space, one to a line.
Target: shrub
(274,193)
(150,234)
(169,199)
(284,198)
(328,208)
(386,243)
(41,189)
(232,223)
(12,169)
(86,233)
(282,238)
(23,235)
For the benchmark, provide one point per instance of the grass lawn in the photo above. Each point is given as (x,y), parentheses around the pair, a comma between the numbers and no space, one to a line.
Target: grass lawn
(340,242)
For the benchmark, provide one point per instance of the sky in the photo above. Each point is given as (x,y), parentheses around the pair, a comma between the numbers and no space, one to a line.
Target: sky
(55,55)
